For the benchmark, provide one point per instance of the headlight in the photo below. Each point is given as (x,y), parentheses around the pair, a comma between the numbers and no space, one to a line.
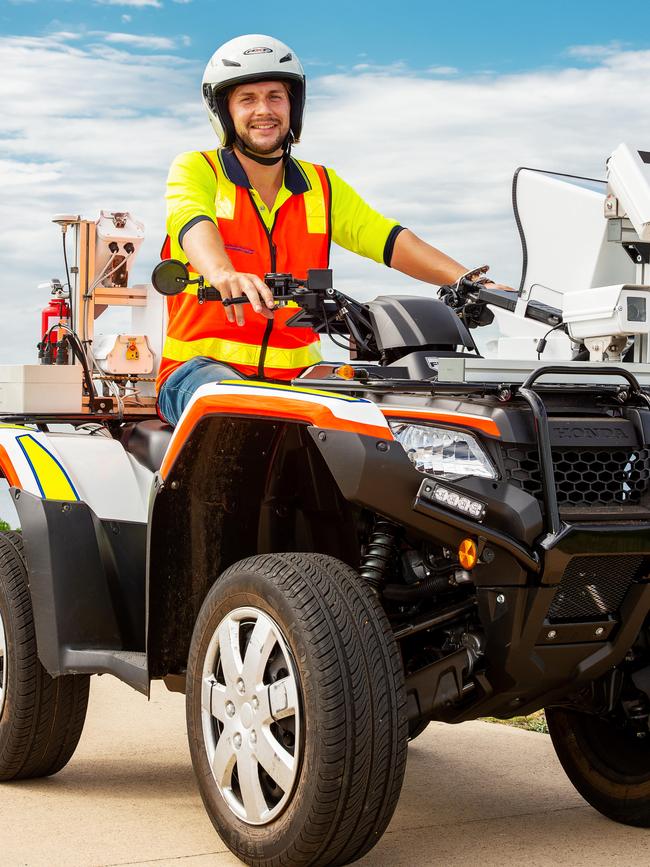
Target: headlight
(442,452)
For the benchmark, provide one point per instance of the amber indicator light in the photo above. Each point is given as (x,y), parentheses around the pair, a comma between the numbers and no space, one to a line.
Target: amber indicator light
(345,372)
(467,554)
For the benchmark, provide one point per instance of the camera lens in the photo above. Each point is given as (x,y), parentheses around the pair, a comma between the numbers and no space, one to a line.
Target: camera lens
(636,309)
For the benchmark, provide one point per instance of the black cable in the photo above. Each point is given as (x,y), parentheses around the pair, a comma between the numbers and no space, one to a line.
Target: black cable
(75,343)
(354,305)
(329,333)
(67,274)
(541,344)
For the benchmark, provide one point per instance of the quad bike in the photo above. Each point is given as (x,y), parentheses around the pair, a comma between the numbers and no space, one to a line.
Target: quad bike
(325,566)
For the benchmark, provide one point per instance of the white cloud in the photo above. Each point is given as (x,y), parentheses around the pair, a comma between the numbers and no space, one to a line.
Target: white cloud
(16,173)
(153,43)
(443,70)
(136,3)
(126,18)
(436,154)
(594,52)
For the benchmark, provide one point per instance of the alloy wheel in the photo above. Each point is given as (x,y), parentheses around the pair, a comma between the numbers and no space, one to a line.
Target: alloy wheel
(250,715)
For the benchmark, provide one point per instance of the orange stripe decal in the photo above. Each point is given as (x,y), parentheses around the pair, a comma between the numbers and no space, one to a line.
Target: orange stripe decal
(266,407)
(8,470)
(486,425)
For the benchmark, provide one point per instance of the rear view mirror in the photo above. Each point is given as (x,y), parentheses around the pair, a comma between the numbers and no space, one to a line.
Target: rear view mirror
(170,277)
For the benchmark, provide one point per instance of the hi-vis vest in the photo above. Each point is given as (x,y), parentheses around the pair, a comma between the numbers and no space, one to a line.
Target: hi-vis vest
(299,240)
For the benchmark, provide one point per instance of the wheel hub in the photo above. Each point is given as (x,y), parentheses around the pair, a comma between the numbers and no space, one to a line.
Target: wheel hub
(251,715)
(246,715)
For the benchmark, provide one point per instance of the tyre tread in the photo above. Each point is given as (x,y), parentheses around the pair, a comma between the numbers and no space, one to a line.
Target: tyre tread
(48,713)
(362,724)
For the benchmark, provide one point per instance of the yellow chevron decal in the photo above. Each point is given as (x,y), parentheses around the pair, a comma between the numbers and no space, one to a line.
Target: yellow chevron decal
(51,478)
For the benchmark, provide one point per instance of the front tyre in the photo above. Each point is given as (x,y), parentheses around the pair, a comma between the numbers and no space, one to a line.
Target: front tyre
(607,761)
(41,718)
(296,711)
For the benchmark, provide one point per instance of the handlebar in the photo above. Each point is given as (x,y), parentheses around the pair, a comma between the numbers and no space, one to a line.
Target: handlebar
(464,299)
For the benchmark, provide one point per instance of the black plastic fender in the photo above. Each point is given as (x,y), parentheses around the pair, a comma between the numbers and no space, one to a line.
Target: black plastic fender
(86,580)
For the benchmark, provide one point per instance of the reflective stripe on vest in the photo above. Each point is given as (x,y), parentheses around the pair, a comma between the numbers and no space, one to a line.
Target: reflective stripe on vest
(298,241)
(242,354)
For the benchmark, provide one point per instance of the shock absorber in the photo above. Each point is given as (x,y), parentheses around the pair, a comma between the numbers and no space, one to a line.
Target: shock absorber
(379,556)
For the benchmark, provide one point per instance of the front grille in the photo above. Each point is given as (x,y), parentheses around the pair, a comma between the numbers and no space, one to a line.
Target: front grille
(584,477)
(594,587)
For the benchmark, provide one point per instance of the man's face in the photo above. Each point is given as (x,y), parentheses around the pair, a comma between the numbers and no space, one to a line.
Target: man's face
(261,114)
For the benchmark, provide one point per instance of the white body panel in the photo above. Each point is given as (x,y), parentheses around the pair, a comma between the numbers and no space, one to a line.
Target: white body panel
(101,473)
(356,411)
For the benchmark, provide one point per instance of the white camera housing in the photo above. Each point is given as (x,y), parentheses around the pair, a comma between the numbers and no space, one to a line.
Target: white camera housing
(628,178)
(607,310)
(605,317)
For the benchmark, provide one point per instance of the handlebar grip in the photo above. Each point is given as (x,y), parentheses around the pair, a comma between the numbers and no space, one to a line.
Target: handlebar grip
(228,302)
(211,294)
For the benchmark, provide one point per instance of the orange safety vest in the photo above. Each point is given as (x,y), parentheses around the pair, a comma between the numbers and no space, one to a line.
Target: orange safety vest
(299,240)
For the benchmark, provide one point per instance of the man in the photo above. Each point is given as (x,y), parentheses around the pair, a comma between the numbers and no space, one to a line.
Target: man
(250,208)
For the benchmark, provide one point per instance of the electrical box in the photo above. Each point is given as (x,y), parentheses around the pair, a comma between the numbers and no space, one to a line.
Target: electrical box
(123,354)
(119,236)
(40,388)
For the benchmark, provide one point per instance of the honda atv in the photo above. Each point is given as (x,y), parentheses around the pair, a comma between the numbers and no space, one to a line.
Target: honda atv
(325,566)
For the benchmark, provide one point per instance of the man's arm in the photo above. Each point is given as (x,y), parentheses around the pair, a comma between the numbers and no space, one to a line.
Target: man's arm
(205,249)
(413,256)
(363,230)
(359,228)
(192,226)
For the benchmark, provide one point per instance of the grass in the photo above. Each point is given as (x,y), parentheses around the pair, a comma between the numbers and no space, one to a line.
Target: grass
(536,722)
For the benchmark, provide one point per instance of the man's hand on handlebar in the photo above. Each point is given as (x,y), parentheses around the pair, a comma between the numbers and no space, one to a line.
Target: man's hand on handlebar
(235,284)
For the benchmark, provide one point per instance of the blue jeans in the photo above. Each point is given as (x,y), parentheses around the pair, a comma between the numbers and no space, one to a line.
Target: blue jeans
(177,391)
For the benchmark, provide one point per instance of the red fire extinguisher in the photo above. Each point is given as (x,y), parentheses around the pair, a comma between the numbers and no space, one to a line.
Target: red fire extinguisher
(56,313)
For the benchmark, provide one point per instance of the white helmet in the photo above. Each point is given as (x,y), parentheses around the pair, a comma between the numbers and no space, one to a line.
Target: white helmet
(251,58)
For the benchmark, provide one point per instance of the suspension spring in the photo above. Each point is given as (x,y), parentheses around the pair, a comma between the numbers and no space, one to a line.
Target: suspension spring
(379,556)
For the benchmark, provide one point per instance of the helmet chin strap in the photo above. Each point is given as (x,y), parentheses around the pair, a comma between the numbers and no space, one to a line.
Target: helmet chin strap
(265,161)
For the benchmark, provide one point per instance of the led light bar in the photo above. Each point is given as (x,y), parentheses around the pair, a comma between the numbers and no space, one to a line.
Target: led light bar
(444,496)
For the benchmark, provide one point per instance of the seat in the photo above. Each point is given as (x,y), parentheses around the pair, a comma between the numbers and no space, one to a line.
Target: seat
(147,441)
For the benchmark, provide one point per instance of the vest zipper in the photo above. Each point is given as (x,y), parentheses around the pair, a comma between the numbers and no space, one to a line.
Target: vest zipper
(273,252)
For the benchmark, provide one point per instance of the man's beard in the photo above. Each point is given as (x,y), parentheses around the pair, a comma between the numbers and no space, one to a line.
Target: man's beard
(263,150)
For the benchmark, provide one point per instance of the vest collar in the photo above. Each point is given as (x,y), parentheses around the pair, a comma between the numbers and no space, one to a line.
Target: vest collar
(294,177)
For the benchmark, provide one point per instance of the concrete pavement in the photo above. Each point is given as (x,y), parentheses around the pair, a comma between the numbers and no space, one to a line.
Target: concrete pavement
(474,793)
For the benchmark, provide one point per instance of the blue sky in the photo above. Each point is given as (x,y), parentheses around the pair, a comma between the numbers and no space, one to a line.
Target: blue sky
(471,36)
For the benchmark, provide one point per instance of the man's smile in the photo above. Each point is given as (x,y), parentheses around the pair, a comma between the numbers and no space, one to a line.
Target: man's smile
(264,125)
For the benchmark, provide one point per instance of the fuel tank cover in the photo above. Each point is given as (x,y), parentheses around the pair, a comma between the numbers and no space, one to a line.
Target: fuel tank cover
(415,322)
